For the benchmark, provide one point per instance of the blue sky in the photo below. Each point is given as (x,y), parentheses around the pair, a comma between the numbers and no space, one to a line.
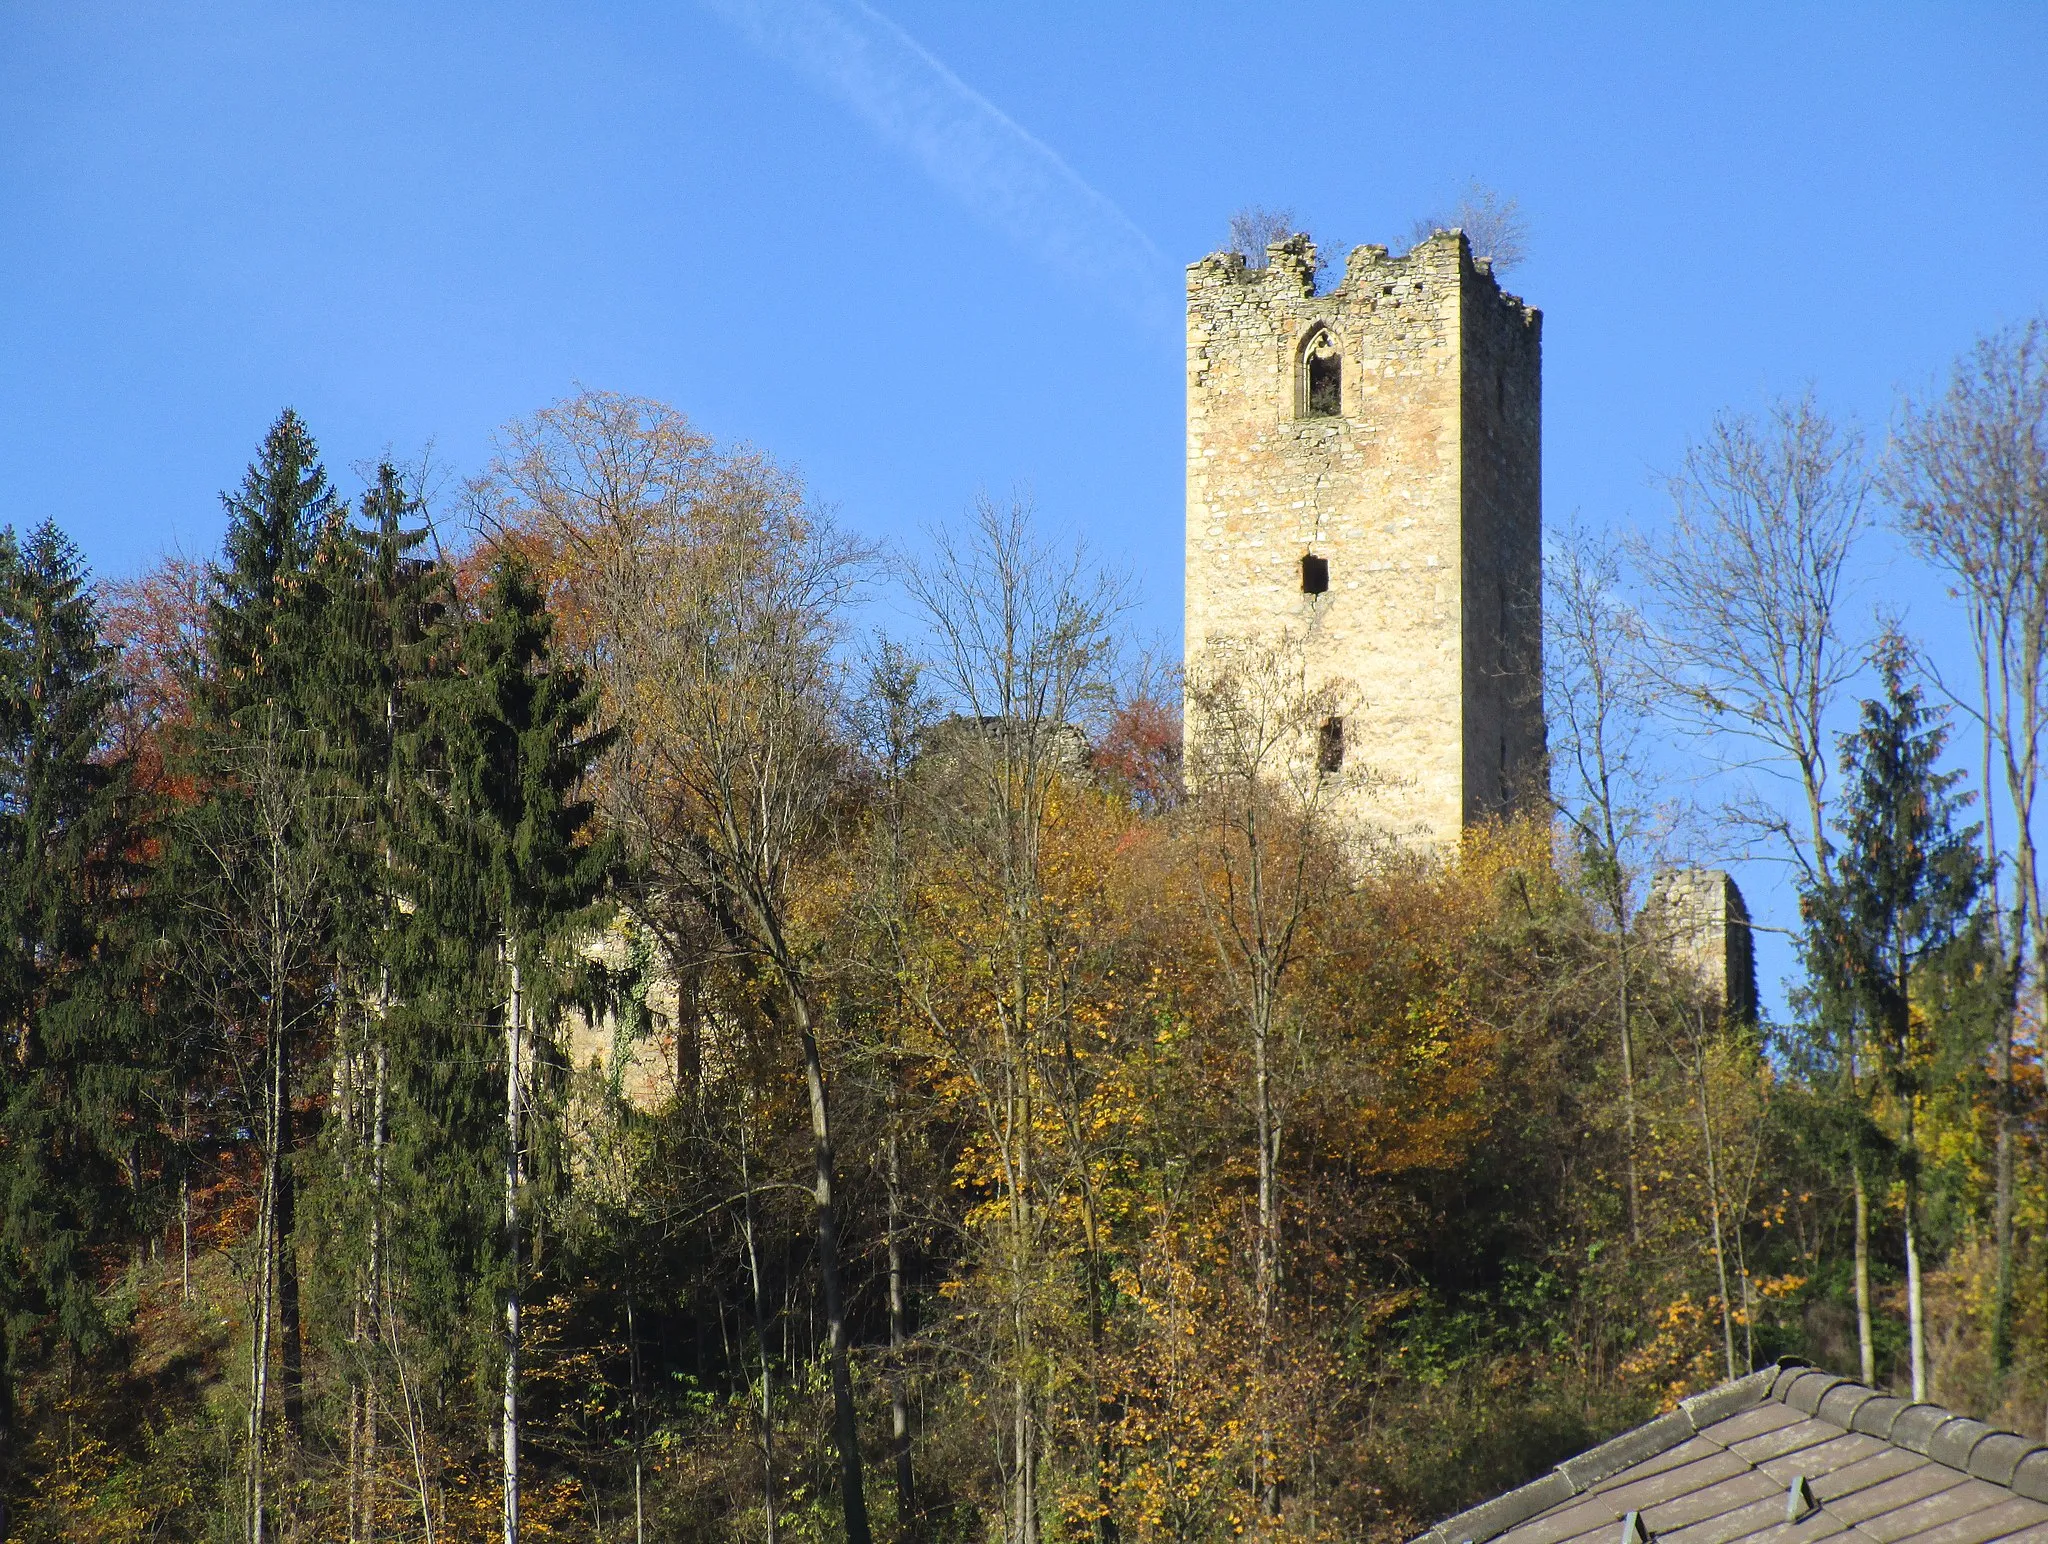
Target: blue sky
(930,250)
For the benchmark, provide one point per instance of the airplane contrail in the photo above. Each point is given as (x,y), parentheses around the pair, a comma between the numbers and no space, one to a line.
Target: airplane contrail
(965,143)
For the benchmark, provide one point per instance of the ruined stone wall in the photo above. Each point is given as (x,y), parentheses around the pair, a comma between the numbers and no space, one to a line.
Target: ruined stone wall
(1697,918)
(1422,493)
(1505,767)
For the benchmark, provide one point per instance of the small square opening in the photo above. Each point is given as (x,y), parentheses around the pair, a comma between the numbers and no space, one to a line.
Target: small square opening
(1330,746)
(1315,574)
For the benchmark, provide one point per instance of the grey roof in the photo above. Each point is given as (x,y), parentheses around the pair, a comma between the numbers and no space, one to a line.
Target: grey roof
(1737,1464)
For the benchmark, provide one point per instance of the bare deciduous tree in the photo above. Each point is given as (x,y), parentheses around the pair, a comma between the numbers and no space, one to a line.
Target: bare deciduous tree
(1254,228)
(1968,475)
(705,591)
(1266,864)
(1021,641)
(1601,694)
(258,928)
(1750,635)
(1492,223)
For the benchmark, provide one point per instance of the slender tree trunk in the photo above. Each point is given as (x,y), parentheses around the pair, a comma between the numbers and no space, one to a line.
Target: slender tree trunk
(259,1328)
(1023,1126)
(290,1368)
(1628,1087)
(899,1400)
(1106,1406)
(515,1014)
(347,1113)
(1107,1410)
(2010,951)
(374,1272)
(1268,1486)
(2002,1305)
(1714,1207)
(1866,1353)
(760,1335)
(185,1201)
(633,1363)
(845,1422)
(284,1188)
(1916,1326)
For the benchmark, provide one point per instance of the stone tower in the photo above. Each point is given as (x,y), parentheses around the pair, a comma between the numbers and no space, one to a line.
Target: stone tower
(1697,918)
(1364,472)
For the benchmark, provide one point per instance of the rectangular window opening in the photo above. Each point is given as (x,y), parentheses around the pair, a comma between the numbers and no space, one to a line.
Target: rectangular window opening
(1330,746)
(1315,574)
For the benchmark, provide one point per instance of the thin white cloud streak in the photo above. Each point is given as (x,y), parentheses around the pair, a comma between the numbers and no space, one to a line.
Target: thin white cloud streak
(964,142)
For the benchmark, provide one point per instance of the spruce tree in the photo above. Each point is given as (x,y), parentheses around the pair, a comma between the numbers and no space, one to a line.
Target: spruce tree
(1900,919)
(243,895)
(513,734)
(358,680)
(74,1062)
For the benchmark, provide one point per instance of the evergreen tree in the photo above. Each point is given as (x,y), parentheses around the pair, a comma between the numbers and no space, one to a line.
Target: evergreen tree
(362,711)
(513,732)
(244,893)
(260,612)
(73,1061)
(1899,919)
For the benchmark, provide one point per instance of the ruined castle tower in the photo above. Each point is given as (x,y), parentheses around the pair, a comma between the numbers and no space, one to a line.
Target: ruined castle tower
(1364,472)
(1697,918)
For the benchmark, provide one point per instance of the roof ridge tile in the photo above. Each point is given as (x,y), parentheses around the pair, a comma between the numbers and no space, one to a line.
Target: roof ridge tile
(1631,1447)
(1998,1455)
(1875,1417)
(1955,1439)
(2030,1476)
(1916,1424)
(1805,1392)
(1841,1403)
(1726,1399)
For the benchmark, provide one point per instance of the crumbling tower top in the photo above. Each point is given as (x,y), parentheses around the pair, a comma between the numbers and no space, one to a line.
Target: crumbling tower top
(1364,476)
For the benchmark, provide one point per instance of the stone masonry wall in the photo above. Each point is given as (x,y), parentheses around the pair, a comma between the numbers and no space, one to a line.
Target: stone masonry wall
(1697,918)
(1423,494)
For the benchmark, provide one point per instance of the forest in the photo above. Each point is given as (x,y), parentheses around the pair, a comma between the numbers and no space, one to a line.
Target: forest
(530,1014)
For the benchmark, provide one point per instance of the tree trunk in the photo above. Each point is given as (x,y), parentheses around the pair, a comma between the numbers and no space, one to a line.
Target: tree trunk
(515,1012)
(185,1203)
(259,1328)
(2002,1303)
(374,1269)
(1714,1209)
(633,1364)
(1628,1088)
(1866,1354)
(1915,1328)
(290,1366)
(1023,1123)
(899,1402)
(1267,1485)
(845,1423)
(760,1336)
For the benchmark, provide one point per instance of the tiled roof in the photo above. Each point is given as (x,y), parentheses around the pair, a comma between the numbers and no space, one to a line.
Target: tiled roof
(1787,1455)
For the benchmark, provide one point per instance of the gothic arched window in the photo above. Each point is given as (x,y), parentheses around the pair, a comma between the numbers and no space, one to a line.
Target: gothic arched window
(1320,393)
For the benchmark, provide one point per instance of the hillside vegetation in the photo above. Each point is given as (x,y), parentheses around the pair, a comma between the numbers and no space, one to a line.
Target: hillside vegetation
(563,1034)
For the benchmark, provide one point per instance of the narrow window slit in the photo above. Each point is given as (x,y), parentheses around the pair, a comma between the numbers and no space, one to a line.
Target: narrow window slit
(1315,574)
(1330,746)
(1322,387)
